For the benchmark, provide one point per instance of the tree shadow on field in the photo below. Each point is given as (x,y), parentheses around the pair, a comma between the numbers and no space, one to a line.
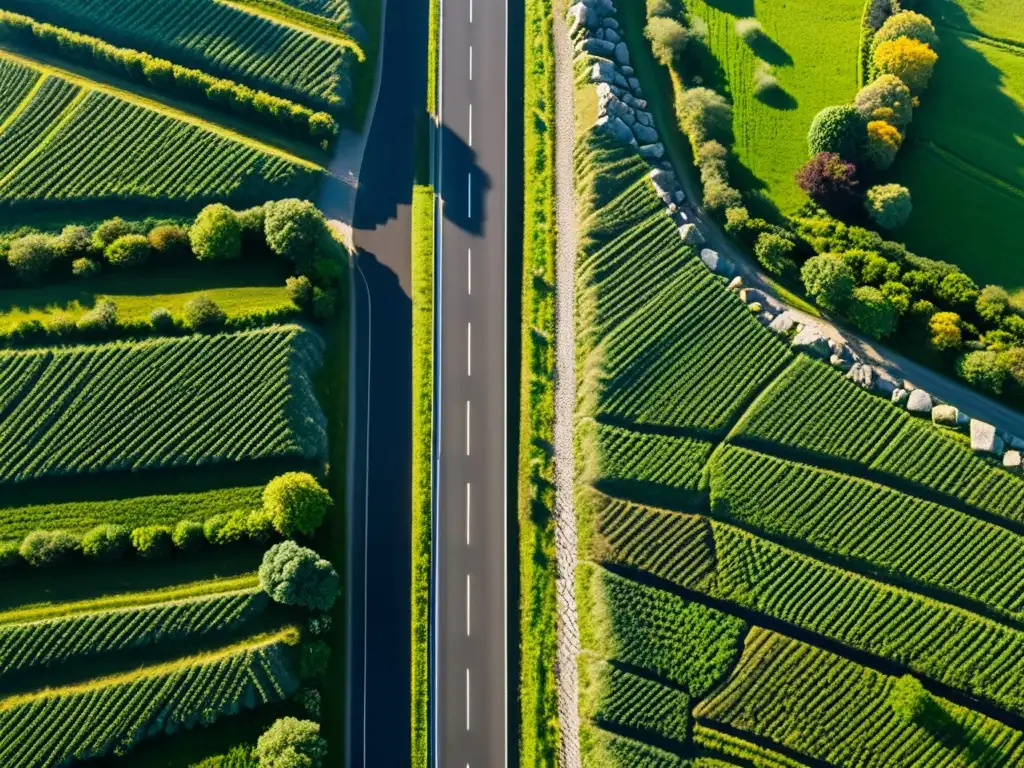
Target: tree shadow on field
(739,8)
(769,51)
(777,97)
(971,743)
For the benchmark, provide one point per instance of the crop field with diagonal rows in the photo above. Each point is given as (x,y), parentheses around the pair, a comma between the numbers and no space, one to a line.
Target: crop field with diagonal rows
(812,575)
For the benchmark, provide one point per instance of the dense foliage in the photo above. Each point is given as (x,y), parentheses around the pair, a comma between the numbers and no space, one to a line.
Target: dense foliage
(296,575)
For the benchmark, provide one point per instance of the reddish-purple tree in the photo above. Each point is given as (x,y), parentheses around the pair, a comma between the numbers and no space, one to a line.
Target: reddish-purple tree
(829,180)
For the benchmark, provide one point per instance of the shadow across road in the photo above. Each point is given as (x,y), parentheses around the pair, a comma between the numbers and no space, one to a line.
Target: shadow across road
(464,184)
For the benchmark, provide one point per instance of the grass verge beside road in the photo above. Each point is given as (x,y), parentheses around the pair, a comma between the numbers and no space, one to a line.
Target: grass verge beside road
(537,693)
(422,439)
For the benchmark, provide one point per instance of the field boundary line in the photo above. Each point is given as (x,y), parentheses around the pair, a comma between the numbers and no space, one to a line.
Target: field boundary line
(156,106)
(26,100)
(340,39)
(758,742)
(976,172)
(65,117)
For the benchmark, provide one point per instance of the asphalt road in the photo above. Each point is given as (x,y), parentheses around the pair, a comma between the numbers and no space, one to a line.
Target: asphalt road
(379,528)
(471,694)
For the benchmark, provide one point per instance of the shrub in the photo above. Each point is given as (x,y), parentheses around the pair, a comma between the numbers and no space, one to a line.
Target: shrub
(764,80)
(704,114)
(773,253)
(668,39)
(315,660)
(61,325)
(872,312)
(737,219)
(291,743)
(749,30)
(170,242)
(9,555)
(839,130)
(659,8)
(884,141)
(296,503)
(128,251)
(910,60)
(1012,360)
(907,24)
(296,230)
(213,526)
(898,295)
(829,280)
(829,180)
(32,256)
(920,282)
(251,222)
(993,302)
(958,289)
(85,268)
(229,528)
(108,232)
(984,370)
(162,320)
(886,98)
(152,541)
(75,242)
(877,270)
(188,536)
(311,702)
(945,329)
(259,525)
(106,542)
(46,548)
(102,318)
(295,575)
(300,291)
(216,234)
(889,205)
(909,699)
(204,314)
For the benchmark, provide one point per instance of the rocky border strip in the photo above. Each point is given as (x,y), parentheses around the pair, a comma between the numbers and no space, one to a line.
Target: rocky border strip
(622,113)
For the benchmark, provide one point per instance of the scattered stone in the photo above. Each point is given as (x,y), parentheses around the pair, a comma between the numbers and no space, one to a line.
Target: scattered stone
(840,362)
(736,283)
(622,54)
(595,46)
(599,34)
(861,374)
(963,421)
(580,17)
(603,72)
(691,235)
(1016,443)
(664,182)
(672,207)
(613,37)
(811,340)
(620,81)
(645,134)
(718,264)
(920,402)
(984,438)
(783,323)
(885,384)
(616,128)
(944,415)
(900,397)
(611,23)
(1012,459)
(642,118)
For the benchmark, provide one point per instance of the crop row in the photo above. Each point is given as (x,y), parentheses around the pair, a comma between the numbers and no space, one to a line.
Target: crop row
(112,715)
(78,636)
(638,704)
(831,709)
(16,82)
(890,531)
(214,37)
(741,749)
(611,750)
(166,402)
(110,149)
(35,121)
(813,408)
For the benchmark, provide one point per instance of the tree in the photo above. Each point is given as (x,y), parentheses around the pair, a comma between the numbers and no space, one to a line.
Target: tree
(170,242)
(958,289)
(773,253)
(704,115)
(910,60)
(296,230)
(152,541)
(252,223)
(898,295)
(945,330)
(216,234)
(909,699)
(75,243)
(983,369)
(907,24)
(296,503)
(659,8)
(829,180)
(300,291)
(315,659)
(188,536)
(829,280)
(291,743)
(872,312)
(128,251)
(108,232)
(46,548)
(838,129)
(323,303)
(295,575)
(204,314)
(884,141)
(106,542)
(85,268)
(100,319)
(889,205)
(993,302)
(32,256)
(162,320)
(886,98)
(668,39)
(1012,360)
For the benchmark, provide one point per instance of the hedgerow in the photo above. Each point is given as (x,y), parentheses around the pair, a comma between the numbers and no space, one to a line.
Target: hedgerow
(202,399)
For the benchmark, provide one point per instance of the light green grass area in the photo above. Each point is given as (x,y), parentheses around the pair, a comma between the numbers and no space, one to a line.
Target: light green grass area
(236,287)
(964,160)
(813,53)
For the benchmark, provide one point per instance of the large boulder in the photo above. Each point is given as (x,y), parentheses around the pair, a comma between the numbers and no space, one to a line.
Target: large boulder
(664,183)
(691,235)
(580,17)
(717,263)
(645,134)
(611,23)
(783,324)
(920,402)
(863,375)
(595,46)
(900,397)
(1017,443)
(652,151)
(811,340)
(1012,460)
(612,36)
(945,416)
(603,72)
(984,438)
(885,384)
(622,54)
(616,128)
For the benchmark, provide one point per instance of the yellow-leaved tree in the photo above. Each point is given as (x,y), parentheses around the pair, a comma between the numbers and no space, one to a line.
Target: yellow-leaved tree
(910,60)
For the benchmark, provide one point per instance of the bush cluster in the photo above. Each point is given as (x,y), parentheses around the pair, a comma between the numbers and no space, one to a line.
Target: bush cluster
(165,76)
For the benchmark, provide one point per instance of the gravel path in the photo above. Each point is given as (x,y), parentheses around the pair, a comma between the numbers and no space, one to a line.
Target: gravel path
(565,400)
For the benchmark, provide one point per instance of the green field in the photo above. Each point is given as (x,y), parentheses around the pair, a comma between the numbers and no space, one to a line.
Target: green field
(813,53)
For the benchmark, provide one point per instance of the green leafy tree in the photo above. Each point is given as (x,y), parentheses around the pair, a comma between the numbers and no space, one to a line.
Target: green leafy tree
(829,280)
(108,232)
(704,114)
(170,242)
(958,289)
(916,26)
(983,369)
(887,98)
(152,541)
(75,243)
(840,130)
(668,39)
(128,251)
(216,234)
(898,295)
(106,542)
(889,205)
(773,253)
(47,548)
(204,314)
(315,659)
(1012,360)
(188,536)
(84,268)
(291,743)
(872,312)
(908,699)
(296,230)
(295,575)
(296,503)
(32,256)
(993,302)
(99,320)
(300,291)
